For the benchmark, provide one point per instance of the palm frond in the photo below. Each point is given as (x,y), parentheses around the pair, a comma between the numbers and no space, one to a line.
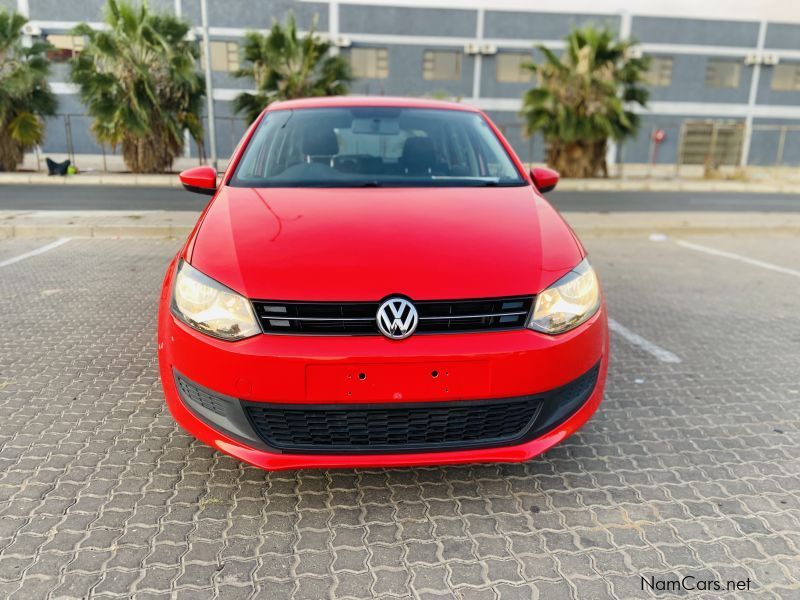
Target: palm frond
(139,81)
(283,66)
(584,96)
(25,95)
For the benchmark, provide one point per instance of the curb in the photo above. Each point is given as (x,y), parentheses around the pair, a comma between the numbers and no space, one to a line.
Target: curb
(573,185)
(108,179)
(682,223)
(94,231)
(686,231)
(662,185)
(182,232)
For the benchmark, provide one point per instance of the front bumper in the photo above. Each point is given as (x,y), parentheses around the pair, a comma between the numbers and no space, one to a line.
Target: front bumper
(313,371)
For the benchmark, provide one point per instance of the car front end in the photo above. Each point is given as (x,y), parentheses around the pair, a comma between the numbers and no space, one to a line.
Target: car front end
(343,326)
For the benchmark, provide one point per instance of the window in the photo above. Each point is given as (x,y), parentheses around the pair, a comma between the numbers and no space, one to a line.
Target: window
(660,72)
(224,56)
(786,78)
(723,74)
(509,68)
(369,63)
(371,146)
(441,65)
(64,47)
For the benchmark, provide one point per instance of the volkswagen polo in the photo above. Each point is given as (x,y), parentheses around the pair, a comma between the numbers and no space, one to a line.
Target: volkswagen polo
(379,282)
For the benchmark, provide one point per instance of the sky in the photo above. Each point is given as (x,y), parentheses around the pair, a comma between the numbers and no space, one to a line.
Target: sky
(749,10)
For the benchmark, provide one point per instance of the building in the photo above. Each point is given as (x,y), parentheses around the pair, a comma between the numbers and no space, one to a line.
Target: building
(725,73)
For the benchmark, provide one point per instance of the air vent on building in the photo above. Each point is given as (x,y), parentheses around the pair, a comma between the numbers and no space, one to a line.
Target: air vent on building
(472,48)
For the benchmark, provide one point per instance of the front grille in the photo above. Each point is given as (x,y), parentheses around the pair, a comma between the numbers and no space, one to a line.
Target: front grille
(380,428)
(410,427)
(358,318)
(397,427)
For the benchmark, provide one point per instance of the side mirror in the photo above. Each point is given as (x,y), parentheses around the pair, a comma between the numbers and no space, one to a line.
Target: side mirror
(544,179)
(200,180)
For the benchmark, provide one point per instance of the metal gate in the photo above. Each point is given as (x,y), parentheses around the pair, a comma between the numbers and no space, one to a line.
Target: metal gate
(712,143)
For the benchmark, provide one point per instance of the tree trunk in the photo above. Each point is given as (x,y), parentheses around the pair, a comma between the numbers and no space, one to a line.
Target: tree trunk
(10,152)
(151,153)
(583,159)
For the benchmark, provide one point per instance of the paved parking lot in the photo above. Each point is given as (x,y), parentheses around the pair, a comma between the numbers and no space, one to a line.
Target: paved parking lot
(689,468)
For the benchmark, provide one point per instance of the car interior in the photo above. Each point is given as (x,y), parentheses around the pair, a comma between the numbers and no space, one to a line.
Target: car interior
(373,145)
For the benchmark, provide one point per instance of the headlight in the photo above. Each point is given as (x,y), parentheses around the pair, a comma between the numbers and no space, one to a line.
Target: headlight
(568,302)
(210,307)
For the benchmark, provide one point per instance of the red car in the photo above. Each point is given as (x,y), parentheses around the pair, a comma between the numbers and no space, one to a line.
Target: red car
(379,282)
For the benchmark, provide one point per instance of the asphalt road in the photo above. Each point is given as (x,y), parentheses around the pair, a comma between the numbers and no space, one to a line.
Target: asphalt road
(690,468)
(77,197)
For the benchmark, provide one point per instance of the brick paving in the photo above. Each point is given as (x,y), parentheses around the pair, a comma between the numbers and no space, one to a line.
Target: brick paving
(687,469)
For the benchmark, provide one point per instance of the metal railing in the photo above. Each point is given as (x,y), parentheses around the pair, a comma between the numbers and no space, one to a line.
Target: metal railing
(70,134)
(785,137)
(692,142)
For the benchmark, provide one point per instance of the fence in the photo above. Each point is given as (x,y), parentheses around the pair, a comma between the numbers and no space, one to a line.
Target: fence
(775,145)
(710,143)
(680,142)
(70,134)
(684,142)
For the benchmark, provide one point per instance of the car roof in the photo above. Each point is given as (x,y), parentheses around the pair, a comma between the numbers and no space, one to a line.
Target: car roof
(351,101)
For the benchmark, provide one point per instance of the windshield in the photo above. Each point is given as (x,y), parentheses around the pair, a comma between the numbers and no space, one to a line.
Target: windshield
(374,146)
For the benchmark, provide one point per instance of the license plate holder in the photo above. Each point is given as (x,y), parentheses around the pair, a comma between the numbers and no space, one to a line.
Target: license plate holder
(398,382)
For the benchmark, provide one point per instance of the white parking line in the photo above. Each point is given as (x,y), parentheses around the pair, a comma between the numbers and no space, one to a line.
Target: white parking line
(37,251)
(646,345)
(739,257)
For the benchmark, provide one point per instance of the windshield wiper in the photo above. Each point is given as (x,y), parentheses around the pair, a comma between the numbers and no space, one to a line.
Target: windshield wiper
(494,183)
(369,183)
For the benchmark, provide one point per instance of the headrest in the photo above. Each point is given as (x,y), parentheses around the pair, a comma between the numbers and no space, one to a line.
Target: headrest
(320,142)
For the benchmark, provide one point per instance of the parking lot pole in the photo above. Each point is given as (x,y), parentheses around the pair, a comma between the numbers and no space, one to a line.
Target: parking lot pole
(212,131)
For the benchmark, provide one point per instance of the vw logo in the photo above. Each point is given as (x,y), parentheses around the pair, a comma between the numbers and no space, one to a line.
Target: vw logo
(397,318)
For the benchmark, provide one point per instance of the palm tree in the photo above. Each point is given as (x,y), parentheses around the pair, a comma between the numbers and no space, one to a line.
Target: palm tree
(139,81)
(25,96)
(284,67)
(584,99)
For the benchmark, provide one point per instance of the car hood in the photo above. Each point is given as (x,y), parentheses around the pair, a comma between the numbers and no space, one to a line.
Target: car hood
(348,244)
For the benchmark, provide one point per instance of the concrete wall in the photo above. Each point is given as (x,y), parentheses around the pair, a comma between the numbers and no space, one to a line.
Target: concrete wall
(766,141)
(405,74)
(407,21)
(688,82)
(540,26)
(783,35)
(766,95)
(256,14)
(491,88)
(59,10)
(638,149)
(695,31)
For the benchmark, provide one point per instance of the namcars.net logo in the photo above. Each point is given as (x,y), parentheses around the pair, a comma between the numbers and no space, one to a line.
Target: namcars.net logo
(691,583)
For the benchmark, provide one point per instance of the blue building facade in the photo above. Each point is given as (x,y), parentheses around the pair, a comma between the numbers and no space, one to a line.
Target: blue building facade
(740,72)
